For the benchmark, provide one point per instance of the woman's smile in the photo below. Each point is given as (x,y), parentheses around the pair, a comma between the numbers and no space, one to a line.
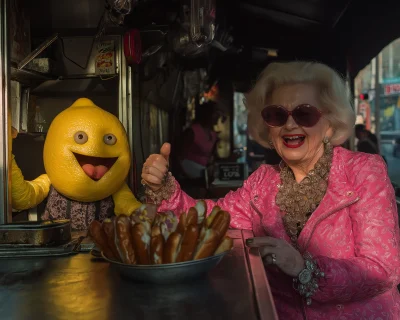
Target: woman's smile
(293,140)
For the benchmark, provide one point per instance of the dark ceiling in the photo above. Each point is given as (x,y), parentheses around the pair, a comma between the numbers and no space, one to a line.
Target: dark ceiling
(345,34)
(296,17)
(342,33)
(299,29)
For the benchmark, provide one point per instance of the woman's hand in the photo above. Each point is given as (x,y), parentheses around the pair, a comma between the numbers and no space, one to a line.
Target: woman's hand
(156,168)
(280,253)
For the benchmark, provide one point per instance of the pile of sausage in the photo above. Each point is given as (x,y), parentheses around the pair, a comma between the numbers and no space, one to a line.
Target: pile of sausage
(147,237)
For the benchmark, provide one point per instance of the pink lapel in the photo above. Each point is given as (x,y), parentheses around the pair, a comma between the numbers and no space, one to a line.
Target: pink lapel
(340,194)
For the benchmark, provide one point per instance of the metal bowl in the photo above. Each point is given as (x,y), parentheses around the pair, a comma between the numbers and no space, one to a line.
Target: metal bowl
(167,273)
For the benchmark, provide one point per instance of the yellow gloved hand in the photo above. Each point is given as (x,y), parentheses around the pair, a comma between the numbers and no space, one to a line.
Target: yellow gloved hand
(124,201)
(27,194)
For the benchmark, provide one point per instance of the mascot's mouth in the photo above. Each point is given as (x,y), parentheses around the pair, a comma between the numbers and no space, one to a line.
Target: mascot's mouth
(95,167)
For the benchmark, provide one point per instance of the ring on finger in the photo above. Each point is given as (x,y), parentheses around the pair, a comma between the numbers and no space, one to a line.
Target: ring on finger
(273,256)
(270,258)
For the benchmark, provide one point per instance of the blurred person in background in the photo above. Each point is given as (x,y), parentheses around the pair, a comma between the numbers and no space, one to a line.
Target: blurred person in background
(199,142)
(367,141)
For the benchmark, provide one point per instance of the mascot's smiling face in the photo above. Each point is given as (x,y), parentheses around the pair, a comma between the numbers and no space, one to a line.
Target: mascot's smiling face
(86,152)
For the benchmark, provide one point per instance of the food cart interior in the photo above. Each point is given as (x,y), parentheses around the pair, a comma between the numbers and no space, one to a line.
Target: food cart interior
(53,52)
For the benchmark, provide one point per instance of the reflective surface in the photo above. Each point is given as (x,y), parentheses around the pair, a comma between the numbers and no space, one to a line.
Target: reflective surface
(81,287)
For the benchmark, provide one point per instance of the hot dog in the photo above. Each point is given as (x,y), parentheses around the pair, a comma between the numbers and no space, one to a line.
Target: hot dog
(141,243)
(124,239)
(156,246)
(171,247)
(207,222)
(163,239)
(208,245)
(165,231)
(225,245)
(192,217)
(221,224)
(188,244)
(160,217)
(182,223)
(212,215)
(146,212)
(109,230)
(151,212)
(168,223)
(100,238)
(201,208)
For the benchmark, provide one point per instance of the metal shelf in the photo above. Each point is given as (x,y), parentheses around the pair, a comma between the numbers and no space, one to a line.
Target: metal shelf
(32,134)
(29,77)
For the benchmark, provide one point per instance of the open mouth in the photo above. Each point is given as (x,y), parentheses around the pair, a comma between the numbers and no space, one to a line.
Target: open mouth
(293,140)
(95,167)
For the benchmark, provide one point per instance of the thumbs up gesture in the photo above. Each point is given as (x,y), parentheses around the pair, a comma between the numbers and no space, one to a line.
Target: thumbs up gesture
(156,167)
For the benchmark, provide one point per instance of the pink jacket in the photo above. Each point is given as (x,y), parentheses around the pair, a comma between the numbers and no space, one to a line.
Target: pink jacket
(353,234)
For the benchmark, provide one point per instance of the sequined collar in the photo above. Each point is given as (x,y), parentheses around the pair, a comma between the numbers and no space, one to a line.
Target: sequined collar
(299,200)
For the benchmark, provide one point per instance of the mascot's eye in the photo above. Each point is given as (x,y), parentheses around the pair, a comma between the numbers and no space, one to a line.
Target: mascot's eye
(110,139)
(80,137)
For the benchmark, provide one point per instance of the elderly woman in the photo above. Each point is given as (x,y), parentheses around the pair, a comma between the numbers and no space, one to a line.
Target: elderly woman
(325,219)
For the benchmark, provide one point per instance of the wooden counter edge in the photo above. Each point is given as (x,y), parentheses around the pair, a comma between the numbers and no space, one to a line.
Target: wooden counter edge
(264,298)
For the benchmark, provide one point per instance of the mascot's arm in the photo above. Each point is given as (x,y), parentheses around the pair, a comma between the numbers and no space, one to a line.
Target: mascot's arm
(27,194)
(124,201)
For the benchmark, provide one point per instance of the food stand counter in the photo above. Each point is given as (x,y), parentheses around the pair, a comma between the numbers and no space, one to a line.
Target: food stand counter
(83,287)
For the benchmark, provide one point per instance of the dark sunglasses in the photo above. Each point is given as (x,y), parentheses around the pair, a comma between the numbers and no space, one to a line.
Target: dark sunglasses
(305,115)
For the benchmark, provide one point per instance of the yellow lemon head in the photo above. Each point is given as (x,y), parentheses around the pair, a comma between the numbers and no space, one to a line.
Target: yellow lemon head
(86,152)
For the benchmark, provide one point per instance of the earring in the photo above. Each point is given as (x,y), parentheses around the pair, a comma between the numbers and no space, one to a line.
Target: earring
(325,140)
(271,144)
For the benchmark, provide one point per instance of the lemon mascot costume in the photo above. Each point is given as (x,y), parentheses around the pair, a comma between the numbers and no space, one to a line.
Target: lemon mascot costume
(87,159)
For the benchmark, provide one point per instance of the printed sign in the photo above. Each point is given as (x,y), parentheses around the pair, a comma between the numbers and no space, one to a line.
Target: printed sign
(105,58)
(231,171)
(391,89)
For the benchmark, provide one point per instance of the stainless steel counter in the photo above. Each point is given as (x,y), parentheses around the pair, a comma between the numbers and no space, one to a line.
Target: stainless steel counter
(81,287)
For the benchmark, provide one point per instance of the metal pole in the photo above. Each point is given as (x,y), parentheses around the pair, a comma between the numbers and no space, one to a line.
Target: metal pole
(378,61)
(130,124)
(125,109)
(5,118)
(123,87)
(390,61)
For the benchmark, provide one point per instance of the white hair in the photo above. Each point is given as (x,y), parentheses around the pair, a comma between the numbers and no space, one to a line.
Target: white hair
(333,94)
